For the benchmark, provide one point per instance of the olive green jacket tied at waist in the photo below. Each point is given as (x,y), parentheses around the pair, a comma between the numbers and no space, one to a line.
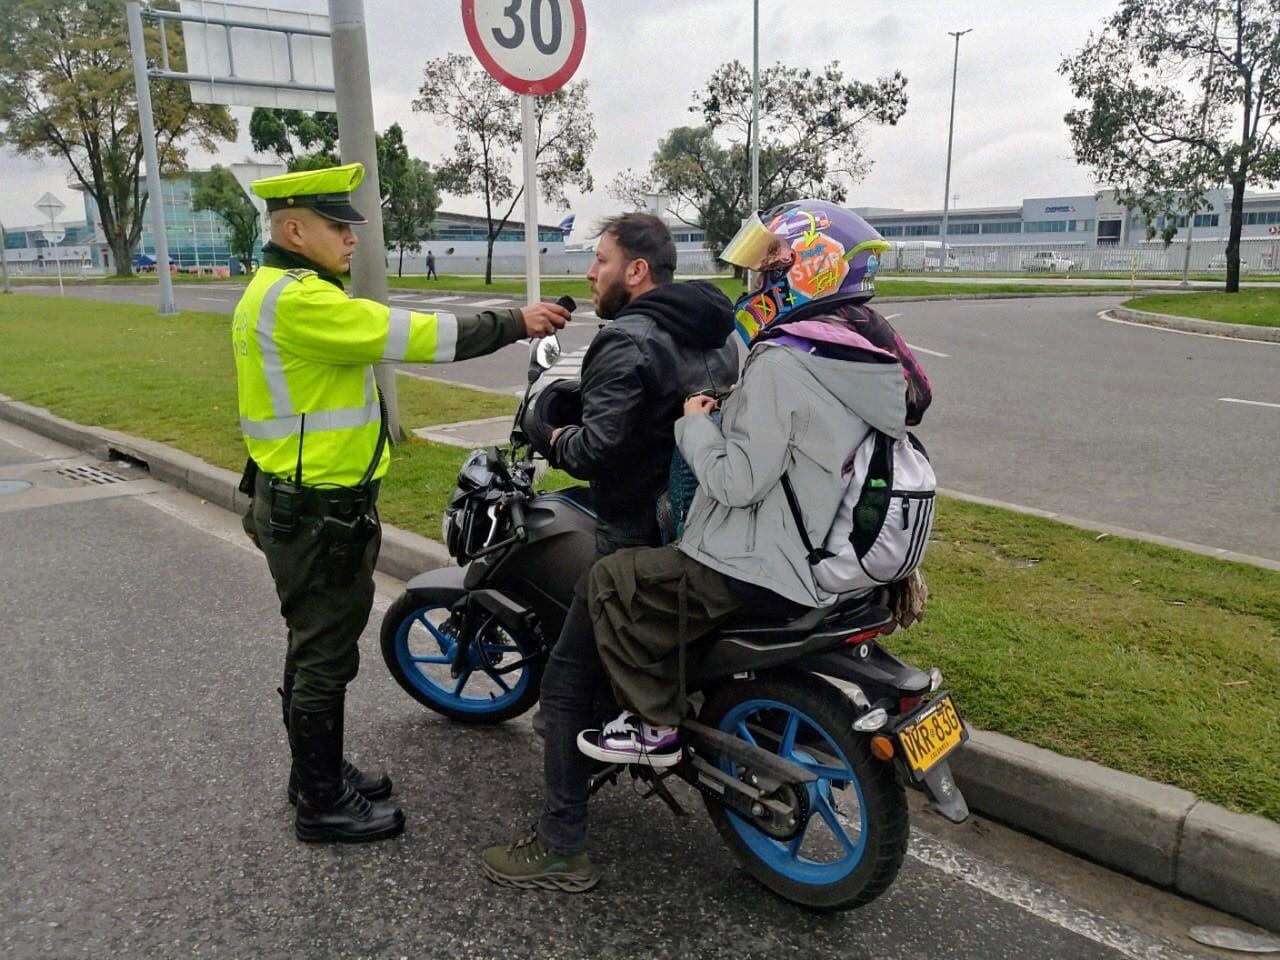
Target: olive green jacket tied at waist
(305,355)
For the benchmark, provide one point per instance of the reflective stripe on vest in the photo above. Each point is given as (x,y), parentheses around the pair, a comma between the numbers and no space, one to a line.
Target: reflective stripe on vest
(398,336)
(281,427)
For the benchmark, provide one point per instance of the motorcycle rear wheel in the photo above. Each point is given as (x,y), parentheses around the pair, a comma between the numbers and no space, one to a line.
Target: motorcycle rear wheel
(418,649)
(854,839)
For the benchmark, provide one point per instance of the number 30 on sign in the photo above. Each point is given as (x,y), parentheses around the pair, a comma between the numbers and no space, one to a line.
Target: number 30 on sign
(530,46)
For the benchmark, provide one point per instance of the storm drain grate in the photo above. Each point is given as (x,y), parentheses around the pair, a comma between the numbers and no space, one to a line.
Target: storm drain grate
(87,473)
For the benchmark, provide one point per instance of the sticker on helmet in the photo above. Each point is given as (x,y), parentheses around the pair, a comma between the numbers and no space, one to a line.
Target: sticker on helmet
(819,266)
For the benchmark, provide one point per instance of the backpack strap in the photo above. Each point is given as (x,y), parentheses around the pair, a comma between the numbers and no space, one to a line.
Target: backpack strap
(815,555)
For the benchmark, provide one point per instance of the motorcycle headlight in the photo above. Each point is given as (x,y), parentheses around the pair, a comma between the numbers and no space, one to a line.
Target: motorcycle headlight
(467,526)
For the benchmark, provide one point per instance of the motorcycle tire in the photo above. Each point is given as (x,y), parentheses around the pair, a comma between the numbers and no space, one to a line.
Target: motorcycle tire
(807,720)
(418,650)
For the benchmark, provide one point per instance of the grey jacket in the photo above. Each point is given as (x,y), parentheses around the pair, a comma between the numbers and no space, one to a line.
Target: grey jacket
(791,412)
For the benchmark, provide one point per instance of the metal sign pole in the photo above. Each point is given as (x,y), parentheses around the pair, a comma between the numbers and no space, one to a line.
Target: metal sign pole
(533,278)
(356,138)
(137,48)
(53,245)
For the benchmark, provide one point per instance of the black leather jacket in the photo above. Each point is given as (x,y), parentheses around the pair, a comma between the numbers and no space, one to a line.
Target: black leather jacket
(666,344)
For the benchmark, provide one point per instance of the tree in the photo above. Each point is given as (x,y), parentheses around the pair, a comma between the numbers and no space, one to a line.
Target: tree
(410,208)
(811,125)
(1181,95)
(219,191)
(485,116)
(393,162)
(309,141)
(300,140)
(67,91)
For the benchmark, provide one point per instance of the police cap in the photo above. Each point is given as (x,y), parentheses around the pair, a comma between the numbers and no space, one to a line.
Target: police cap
(327,191)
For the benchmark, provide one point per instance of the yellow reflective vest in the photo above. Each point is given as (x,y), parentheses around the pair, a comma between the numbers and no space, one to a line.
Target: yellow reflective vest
(304,367)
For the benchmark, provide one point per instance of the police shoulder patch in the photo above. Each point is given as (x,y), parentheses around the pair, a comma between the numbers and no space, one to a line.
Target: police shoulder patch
(301,273)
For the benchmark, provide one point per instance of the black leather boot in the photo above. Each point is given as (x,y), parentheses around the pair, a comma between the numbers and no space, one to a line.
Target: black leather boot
(329,808)
(372,786)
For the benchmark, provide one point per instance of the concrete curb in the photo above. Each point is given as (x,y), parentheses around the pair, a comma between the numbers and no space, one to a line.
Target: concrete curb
(1159,833)
(1239,331)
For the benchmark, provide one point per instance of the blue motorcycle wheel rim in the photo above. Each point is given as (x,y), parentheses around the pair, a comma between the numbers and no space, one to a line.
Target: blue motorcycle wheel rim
(789,858)
(424,653)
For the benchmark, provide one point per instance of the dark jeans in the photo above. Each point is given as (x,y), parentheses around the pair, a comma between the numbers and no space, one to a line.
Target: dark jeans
(572,685)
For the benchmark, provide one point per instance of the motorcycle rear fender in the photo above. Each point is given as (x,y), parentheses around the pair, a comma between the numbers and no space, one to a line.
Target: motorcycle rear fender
(944,792)
(874,669)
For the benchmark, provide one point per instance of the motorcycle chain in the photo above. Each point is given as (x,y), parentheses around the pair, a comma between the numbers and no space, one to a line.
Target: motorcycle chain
(799,793)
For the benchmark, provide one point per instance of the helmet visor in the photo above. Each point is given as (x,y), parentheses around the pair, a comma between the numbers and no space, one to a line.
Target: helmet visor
(752,246)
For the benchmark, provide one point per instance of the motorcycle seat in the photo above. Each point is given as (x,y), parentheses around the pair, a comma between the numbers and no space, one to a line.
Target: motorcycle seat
(849,615)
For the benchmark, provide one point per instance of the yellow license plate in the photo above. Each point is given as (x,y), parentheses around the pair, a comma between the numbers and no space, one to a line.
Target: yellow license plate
(931,736)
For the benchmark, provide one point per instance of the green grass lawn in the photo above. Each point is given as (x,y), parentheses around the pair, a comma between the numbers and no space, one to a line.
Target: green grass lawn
(1155,661)
(1258,308)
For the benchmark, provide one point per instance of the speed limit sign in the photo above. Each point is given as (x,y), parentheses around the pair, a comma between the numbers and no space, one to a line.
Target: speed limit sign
(530,46)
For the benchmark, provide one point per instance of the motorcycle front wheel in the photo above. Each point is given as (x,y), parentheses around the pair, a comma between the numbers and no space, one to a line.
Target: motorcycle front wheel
(419,648)
(854,837)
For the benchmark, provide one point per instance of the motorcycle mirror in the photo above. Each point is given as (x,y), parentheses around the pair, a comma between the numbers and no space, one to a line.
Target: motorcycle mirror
(547,352)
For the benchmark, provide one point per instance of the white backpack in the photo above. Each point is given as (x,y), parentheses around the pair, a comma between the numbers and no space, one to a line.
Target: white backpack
(882,525)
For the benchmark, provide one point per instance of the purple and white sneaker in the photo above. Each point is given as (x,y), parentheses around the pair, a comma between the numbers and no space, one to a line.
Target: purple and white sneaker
(629,739)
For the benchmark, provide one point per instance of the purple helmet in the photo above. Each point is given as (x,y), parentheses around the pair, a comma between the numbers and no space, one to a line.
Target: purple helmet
(806,251)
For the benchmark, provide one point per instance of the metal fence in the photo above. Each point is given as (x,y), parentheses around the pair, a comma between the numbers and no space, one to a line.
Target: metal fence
(1257,255)
(569,264)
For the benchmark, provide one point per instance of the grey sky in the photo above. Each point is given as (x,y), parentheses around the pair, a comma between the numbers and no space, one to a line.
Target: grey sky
(645,60)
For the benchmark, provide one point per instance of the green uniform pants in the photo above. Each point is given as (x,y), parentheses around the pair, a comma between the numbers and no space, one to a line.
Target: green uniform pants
(325,622)
(647,605)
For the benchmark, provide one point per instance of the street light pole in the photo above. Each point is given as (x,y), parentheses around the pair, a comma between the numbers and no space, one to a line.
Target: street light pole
(755,109)
(951,126)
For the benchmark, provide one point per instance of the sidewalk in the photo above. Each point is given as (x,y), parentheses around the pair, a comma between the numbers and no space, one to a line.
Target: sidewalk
(1161,834)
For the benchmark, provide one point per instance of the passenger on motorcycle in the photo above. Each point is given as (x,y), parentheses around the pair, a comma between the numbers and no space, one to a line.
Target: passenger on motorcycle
(666,340)
(823,368)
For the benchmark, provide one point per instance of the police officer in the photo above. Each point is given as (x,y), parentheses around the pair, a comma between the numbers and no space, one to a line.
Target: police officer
(316,433)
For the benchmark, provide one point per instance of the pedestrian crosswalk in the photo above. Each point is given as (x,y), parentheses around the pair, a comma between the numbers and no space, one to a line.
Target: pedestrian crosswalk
(568,367)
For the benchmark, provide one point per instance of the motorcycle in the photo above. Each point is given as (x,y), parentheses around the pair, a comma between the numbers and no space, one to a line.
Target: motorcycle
(805,736)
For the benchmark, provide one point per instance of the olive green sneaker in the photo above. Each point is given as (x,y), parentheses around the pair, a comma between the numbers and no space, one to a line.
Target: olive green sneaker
(529,865)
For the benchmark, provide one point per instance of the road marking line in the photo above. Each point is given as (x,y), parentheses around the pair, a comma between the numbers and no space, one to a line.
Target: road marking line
(489,303)
(1106,315)
(1030,896)
(932,353)
(1252,403)
(213,299)
(405,296)
(443,299)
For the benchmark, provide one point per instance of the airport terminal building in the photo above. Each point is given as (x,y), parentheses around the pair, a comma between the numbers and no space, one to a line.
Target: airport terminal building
(1094,231)
(199,243)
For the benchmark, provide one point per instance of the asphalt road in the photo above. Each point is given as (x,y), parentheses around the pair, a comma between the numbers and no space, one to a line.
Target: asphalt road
(142,812)
(1038,402)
